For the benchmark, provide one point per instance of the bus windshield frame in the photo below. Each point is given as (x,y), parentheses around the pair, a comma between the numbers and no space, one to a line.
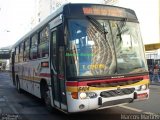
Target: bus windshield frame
(122,52)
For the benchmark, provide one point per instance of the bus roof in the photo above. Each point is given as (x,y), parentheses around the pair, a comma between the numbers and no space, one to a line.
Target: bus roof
(82,9)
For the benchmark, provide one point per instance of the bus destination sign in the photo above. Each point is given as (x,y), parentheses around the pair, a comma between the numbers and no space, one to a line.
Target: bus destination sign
(104,11)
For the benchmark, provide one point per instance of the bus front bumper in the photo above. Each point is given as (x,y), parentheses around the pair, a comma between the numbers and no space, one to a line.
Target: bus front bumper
(81,105)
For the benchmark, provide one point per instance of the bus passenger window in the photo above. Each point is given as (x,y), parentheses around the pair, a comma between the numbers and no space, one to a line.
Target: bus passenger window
(21,52)
(44,35)
(17,53)
(43,48)
(26,50)
(34,43)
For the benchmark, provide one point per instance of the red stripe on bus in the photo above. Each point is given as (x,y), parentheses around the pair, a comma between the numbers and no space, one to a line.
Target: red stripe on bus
(146,77)
(75,83)
(60,76)
(112,80)
(84,83)
(45,75)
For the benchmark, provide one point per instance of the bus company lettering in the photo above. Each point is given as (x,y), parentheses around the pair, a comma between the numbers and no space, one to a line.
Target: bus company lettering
(86,88)
(94,66)
(79,54)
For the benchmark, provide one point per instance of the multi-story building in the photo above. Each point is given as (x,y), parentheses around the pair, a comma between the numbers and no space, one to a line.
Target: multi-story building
(43,8)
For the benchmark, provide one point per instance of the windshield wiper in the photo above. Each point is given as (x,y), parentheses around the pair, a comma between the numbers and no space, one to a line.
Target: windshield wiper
(100,27)
(120,28)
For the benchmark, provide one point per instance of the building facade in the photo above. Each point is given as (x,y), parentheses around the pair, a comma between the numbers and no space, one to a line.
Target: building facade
(43,8)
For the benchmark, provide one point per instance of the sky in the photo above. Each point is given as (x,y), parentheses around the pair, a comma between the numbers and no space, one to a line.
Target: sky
(146,11)
(15,18)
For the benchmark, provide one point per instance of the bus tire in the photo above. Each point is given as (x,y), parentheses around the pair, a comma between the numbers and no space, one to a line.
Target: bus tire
(46,97)
(18,85)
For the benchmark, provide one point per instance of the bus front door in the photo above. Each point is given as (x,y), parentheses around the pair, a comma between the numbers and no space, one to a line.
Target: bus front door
(12,67)
(57,73)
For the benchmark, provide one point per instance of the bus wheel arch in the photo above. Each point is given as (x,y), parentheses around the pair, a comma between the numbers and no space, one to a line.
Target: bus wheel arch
(18,84)
(44,90)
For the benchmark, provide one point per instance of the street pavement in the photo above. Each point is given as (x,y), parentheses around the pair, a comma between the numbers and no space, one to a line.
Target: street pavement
(152,105)
(15,106)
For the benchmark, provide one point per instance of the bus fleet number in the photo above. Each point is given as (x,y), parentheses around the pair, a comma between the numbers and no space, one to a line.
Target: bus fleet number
(83,89)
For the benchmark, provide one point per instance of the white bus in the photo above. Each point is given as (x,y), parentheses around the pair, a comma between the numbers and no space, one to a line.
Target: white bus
(83,57)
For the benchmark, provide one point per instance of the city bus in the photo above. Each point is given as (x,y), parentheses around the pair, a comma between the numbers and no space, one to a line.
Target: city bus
(83,57)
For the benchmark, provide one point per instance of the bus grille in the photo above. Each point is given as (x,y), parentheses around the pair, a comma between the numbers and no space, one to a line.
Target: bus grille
(114,93)
(113,84)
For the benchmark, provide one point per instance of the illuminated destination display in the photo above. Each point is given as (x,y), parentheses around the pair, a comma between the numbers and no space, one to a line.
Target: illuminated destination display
(104,11)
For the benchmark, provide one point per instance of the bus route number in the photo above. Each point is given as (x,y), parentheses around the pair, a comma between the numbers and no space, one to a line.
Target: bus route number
(83,89)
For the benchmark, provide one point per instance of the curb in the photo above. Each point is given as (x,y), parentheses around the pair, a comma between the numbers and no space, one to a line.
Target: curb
(155,83)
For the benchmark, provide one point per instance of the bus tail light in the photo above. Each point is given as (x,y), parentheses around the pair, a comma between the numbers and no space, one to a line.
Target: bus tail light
(74,95)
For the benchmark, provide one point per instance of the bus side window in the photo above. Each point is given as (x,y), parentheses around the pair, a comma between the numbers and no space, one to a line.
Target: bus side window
(16,54)
(43,48)
(53,45)
(34,43)
(61,60)
(26,49)
(21,52)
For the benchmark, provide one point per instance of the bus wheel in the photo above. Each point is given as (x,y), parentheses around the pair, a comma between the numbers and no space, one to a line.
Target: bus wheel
(18,85)
(46,98)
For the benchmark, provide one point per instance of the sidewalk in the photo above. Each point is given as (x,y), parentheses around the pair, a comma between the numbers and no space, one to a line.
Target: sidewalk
(154,83)
(155,79)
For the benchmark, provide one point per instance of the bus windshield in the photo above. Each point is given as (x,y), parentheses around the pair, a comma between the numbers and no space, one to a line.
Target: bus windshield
(104,47)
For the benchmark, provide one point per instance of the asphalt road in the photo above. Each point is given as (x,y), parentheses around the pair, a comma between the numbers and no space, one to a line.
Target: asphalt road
(15,106)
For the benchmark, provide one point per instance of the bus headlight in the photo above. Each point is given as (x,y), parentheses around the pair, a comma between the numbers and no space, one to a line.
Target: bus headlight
(83,95)
(91,94)
(138,88)
(87,95)
(143,87)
